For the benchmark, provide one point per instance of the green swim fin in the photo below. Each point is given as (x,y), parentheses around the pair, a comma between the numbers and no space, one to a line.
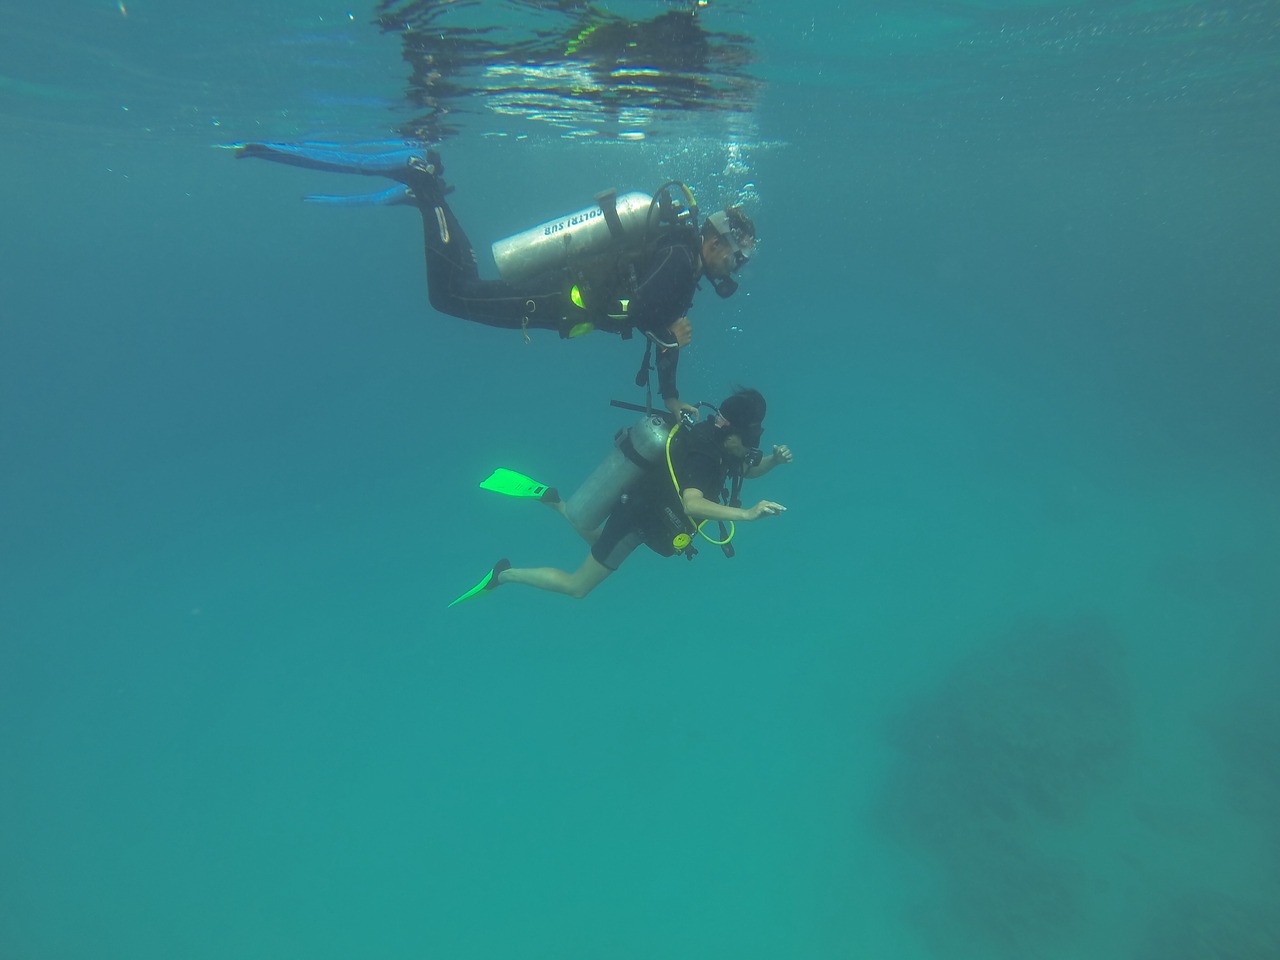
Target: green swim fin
(514,484)
(487,583)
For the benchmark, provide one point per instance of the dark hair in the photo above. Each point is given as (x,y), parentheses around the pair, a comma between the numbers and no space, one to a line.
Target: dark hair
(740,222)
(740,225)
(745,411)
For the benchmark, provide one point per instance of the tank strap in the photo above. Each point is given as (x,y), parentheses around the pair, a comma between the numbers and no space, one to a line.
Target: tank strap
(608,201)
(616,324)
(642,375)
(733,499)
(629,451)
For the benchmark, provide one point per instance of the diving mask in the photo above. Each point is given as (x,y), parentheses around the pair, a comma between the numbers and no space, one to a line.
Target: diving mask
(737,231)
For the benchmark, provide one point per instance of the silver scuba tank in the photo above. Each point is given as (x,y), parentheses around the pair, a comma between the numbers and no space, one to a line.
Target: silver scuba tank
(549,246)
(634,451)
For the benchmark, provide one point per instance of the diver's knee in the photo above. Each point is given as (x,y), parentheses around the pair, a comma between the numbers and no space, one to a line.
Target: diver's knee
(579,590)
(441,302)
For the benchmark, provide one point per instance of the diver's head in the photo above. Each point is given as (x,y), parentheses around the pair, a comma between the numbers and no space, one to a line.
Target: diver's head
(740,424)
(728,240)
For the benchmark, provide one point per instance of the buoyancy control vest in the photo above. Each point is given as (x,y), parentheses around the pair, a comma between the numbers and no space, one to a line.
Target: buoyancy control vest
(599,249)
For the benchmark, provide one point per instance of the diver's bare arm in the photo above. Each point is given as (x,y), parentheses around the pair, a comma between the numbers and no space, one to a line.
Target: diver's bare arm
(781,454)
(699,507)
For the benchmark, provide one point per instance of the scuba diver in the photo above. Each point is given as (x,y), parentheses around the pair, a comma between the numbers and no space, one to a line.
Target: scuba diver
(629,262)
(659,486)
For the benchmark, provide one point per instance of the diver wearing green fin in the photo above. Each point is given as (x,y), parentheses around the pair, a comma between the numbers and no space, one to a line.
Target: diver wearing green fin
(660,485)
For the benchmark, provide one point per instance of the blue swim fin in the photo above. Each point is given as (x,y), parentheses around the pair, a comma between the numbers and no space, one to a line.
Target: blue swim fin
(389,197)
(410,163)
(337,158)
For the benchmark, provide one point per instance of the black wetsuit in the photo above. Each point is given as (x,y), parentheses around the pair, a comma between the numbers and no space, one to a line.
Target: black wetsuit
(663,293)
(651,512)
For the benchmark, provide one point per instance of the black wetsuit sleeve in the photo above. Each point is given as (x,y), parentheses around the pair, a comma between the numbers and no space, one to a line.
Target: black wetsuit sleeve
(661,298)
(667,362)
(705,473)
(665,293)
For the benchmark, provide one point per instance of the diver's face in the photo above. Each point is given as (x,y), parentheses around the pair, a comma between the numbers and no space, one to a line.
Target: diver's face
(734,446)
(748,457)
(719,258)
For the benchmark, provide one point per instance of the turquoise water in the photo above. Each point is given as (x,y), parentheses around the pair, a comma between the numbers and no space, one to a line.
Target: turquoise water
(999,685)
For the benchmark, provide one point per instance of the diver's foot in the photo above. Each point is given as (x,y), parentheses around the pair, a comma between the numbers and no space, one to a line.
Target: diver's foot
(495,578)
(434,161)
(490,581)
(424,176)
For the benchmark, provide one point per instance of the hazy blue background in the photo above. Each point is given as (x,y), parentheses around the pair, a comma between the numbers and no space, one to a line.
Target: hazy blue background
(1000,683)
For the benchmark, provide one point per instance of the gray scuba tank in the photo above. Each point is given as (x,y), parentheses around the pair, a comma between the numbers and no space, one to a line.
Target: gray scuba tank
(550,245)
(635,451)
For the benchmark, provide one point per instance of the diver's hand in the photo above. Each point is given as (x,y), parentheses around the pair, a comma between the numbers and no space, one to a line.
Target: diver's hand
(679,409)
(682,332)
(781,454)
(765,508)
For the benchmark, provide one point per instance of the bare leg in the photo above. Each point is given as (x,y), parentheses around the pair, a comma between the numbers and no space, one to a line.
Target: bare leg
(590,575)
(590,536)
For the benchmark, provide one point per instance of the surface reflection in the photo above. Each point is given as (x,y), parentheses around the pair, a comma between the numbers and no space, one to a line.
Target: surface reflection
(581,69)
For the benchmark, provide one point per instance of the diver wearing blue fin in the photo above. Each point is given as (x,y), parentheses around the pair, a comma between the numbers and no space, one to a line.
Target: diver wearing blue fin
(629,262)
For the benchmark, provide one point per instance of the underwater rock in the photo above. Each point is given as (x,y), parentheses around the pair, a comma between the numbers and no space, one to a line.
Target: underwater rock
(1027,727)
(1212,926)
(1246,732)
(1019,735)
